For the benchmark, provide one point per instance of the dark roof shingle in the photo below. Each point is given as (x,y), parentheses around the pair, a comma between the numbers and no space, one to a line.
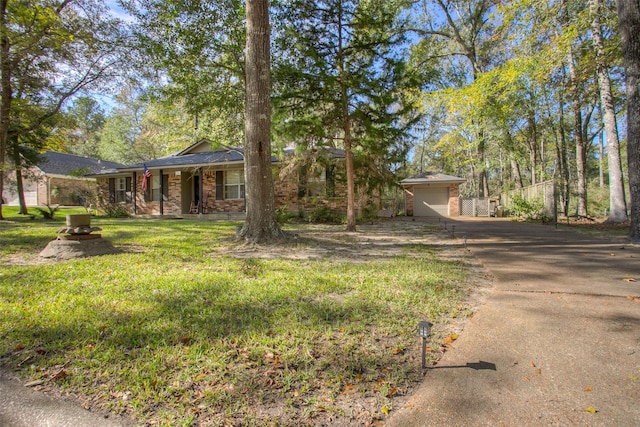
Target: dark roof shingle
(56,163)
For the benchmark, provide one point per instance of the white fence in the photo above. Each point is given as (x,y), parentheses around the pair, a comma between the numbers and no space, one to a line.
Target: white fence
(544,191)
(479,206)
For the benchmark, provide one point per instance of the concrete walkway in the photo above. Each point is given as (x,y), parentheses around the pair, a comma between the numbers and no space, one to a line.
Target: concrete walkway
(23,407)
(556,343)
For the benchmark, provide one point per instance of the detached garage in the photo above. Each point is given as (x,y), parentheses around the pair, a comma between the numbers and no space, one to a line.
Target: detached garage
(432,194)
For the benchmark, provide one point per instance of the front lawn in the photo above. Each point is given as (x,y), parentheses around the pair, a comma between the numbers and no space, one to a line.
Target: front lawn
(187,328)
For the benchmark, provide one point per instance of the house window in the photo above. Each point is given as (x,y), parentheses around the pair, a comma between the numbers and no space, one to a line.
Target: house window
(155,188)
(316,183)
(123,190)
(234,184)
(120,190)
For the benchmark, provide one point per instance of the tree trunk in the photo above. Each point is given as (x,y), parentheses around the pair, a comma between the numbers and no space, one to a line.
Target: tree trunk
(260,225)
(19,184)
(601,160)
(515,170)
(483,182)
(629,19)
(346,128)
(617,200)
(533,148)
(563,164)
(6,96)
(580,149)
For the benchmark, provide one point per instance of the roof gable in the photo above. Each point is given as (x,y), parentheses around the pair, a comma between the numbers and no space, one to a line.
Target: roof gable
(202,146)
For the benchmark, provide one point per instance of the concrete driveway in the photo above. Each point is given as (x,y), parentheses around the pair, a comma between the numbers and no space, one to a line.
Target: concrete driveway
(556,342)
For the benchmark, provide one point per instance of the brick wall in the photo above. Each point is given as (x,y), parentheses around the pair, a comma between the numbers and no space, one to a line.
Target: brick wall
(408,200)
(285,192)
(454,200)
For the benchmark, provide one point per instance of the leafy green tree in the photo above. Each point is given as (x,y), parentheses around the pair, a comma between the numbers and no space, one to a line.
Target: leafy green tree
(463,29)
(342,82)
(50,50)
(193,55)
(82,134)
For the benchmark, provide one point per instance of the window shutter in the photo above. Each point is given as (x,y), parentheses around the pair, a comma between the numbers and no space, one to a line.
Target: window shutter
(127,189)
(302,182)
(112,190)
(219,185)
(165,187)
(331,181)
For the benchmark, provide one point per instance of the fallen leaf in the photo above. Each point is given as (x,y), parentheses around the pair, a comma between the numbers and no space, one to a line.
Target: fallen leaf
(538,371)
(533,364)
(632,298)
(630,280)
(633,378)
(59,375)
(527,379)
(385,410)
(588,389)
(19,346)
(349,389)
(392,392)
(591,410)
(398,350)
(451,338)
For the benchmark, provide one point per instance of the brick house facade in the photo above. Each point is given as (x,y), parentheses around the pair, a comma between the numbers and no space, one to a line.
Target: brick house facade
(199,180)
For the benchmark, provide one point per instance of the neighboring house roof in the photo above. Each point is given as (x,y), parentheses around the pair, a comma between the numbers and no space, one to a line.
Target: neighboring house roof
(429,177)
(63,164)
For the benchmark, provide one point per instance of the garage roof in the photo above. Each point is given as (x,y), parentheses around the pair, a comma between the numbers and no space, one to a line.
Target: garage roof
(431,177)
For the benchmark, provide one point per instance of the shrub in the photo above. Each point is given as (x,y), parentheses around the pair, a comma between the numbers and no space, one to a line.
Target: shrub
(528,209)
(114,210)
(283,216)
(369,212)
(49,212)
(324,214)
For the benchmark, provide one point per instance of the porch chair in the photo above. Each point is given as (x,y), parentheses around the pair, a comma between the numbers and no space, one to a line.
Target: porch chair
(194,208)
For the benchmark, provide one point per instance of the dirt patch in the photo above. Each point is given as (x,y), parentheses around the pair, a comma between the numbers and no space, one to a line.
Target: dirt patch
(69,249)
(381,239)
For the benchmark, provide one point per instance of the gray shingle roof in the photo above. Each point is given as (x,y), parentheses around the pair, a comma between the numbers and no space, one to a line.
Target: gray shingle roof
(431,177)
(55,163)
(195,159)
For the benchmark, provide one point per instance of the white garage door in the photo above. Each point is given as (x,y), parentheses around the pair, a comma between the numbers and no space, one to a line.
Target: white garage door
(431,201)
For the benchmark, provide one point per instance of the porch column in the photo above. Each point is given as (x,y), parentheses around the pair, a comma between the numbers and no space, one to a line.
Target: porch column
(161,193)
(200,192)
(134,194)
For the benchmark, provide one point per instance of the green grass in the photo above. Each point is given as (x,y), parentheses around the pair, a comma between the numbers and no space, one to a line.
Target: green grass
(176,332)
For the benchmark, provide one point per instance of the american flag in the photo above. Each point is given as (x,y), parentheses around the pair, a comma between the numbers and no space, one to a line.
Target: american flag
(146,176)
